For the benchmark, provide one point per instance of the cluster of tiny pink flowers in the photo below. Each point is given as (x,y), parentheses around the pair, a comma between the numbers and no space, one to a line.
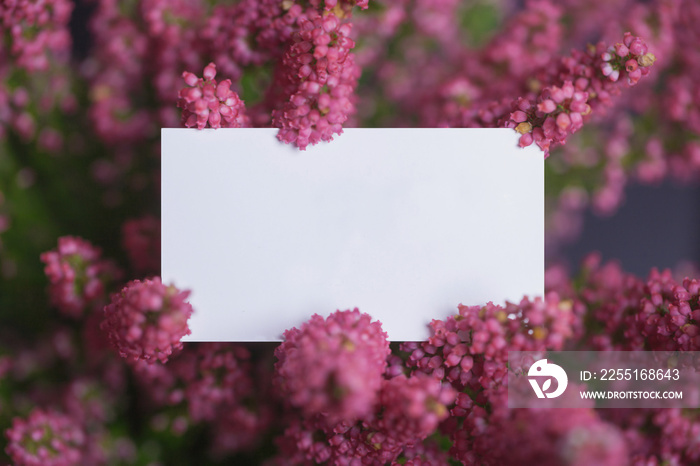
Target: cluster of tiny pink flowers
(333,366)
(586,78)
(632,55)
(78,276)
(669,313)
(318,76)
(470,349)
(625,312)
(333,371)
(408,410)
(206,103)
(413,407)
(36,30)
(610,297)
(147,320)
(561,110)
(141,241)
(45,438)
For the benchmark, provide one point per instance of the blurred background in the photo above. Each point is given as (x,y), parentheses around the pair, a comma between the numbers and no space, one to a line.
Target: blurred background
(656,226)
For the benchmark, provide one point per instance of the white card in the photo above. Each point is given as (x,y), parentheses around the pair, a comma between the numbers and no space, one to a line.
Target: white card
(404,224)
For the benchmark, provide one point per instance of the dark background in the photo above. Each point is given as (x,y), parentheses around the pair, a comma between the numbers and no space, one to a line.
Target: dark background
(655,227)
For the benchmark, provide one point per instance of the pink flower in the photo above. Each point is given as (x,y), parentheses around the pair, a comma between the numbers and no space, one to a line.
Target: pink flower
(407,411)
(45,439)
(318,76)
(578,84)
(147,320)
(78,276)
(631,57)
(413,407)
(471,348)
(333,366)
(206,103)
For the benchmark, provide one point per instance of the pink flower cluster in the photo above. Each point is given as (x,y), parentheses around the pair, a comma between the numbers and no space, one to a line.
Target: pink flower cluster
(669,313)
(78,276)
(45,439)
(351,414)
(632,55)
(318,76)
(470,349)
(408,411)
(35,30)
(147,319)
(413,407)
(628,313)
(586,78)
(333,366)
(206,103)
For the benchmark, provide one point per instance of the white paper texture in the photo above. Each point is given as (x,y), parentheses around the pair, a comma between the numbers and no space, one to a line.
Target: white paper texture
(404,224)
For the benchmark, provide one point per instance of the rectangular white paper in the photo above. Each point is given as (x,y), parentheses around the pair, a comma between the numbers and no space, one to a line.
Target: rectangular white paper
(404,224)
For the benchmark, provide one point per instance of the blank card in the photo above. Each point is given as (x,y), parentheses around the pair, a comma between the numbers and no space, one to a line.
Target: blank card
(404,224)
